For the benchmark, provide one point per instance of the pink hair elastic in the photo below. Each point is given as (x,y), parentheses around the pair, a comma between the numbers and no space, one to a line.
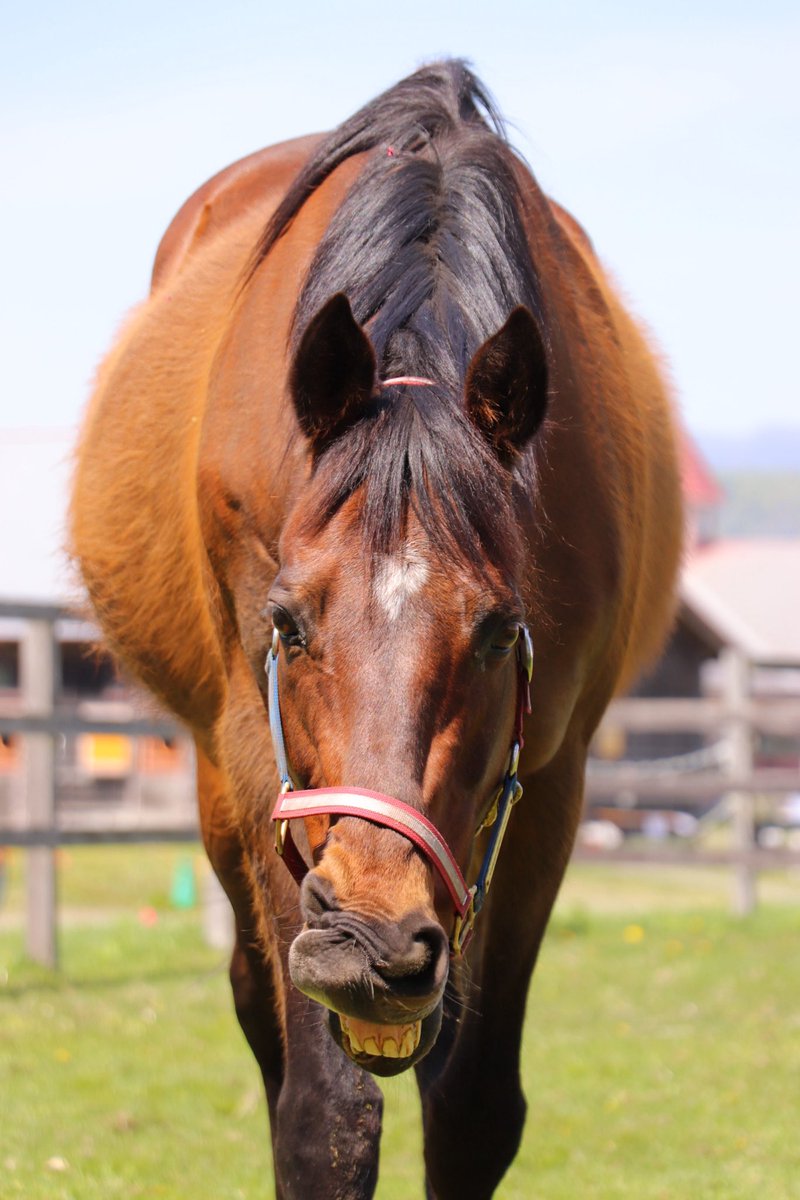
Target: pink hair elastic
(408,381)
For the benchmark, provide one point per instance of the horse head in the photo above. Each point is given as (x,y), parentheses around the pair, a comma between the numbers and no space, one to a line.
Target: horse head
(398,651)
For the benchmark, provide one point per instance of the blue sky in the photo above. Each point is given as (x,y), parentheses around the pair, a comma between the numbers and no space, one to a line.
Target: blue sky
(670,130)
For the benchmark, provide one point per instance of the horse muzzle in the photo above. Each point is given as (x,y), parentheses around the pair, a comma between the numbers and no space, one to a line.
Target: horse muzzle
(382,982)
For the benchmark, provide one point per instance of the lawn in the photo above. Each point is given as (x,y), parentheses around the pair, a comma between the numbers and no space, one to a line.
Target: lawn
(662,1056)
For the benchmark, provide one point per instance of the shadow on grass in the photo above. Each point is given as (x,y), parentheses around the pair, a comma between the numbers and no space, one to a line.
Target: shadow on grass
(39,979)
(116,957)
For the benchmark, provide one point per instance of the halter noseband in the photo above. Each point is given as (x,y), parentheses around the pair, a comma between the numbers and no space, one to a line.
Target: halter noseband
(394,814)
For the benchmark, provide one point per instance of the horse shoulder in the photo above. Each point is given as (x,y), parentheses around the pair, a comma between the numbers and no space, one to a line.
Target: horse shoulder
(625,396)
(134,528)
(643,414)
(259,180)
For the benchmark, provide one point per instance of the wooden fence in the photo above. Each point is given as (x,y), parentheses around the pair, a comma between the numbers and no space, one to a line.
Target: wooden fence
(40,720)
(731,723)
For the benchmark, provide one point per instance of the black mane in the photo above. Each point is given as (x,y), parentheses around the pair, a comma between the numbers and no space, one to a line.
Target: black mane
(430,248)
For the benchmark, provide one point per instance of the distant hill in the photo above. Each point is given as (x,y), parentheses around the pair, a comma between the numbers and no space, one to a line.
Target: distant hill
(760,475)
(760,504)
(775,449)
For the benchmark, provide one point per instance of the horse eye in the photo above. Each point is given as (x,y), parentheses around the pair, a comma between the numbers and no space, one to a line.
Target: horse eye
(287,627)
(505,639)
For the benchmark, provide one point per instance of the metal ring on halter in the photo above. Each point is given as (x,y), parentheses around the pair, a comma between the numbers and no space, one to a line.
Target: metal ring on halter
(282,826)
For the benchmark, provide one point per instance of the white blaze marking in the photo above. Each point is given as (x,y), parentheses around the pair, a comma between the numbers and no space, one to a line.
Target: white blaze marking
(397,578)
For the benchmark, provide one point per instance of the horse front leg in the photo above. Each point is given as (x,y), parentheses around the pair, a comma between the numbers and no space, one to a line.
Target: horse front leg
(325,1113)
(326,1134)
(472,1099)
(256,1004)
(255,982)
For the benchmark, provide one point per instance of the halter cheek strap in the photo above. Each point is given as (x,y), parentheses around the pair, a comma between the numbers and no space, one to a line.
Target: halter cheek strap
(394,814)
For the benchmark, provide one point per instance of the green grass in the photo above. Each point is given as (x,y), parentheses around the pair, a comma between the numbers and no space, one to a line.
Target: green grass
(128,1066)
(662,1053)
(662,1059)
(103,881)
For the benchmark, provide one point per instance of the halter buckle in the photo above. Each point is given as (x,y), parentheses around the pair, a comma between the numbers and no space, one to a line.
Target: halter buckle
(282,826)
(527,652)
(511,770)
(491,813)
(463,927)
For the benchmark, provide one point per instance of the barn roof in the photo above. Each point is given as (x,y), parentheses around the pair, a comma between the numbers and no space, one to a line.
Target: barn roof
(745,592)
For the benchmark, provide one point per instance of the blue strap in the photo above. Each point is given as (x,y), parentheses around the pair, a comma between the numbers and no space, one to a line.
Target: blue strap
(511,792)
(275,723)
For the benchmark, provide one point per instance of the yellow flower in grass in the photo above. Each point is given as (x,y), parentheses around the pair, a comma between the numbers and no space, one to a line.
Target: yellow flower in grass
(633,934)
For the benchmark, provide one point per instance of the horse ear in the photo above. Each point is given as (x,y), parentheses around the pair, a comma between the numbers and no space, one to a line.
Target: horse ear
(507,384)
(333,373)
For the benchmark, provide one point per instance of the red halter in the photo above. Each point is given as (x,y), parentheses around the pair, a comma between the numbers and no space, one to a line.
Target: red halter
(387,811)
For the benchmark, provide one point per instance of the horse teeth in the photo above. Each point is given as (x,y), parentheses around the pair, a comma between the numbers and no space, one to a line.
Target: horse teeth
(400,1044)
(407,1044)
(351,1035)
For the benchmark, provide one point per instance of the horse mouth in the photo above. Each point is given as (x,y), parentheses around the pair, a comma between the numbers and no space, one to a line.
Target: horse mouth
(389,1041)
(384,1049)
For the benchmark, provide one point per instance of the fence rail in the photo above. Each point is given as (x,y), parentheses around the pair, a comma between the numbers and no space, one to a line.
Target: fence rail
(734,719)
(688,789)
(71,723)
(39,719)
(668,714)
(83,836)
(755,859)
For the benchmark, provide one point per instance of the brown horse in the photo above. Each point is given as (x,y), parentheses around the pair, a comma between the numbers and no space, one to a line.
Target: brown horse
(381,412)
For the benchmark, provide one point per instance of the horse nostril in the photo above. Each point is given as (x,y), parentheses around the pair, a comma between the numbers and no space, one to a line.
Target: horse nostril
(317,898)
(422,963)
